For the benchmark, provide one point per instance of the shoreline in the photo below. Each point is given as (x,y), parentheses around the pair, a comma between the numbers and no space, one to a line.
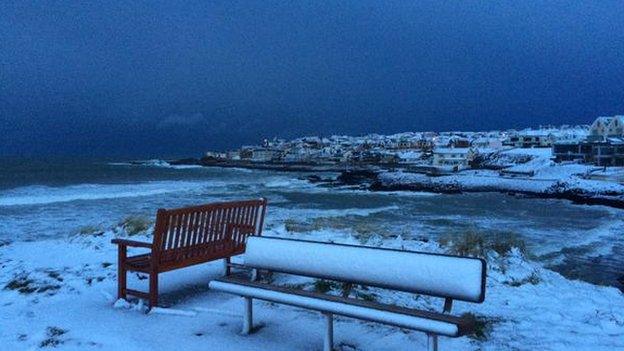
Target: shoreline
(565,189)
(574,198)
(380,177)
(280,167)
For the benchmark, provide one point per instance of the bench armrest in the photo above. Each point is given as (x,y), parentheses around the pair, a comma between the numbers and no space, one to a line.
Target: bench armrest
(126,242)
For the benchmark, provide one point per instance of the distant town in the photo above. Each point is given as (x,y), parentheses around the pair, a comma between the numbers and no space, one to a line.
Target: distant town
(600,144)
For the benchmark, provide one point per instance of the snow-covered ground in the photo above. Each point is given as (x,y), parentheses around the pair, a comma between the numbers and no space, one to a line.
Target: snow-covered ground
(526,170)
(60,293)
(546,181)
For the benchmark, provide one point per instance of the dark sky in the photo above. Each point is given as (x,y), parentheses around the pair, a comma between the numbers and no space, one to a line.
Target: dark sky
(176,78)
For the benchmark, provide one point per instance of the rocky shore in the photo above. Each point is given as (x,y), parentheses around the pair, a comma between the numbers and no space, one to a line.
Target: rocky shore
(579,191)
(282,167)
(383,178)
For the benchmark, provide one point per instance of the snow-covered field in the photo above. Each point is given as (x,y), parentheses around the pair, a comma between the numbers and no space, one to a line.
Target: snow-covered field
(60,294)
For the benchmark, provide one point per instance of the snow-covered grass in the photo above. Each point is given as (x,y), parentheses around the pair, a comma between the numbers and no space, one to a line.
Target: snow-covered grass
(60,294)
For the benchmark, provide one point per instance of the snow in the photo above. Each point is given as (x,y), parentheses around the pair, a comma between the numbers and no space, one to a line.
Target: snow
(436,275)
(69,288)
(451,150)
(410,155)
(411,322)
(539,152)
(539,176)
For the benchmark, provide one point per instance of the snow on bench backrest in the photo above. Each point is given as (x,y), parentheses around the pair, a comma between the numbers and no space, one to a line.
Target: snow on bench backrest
(461,278)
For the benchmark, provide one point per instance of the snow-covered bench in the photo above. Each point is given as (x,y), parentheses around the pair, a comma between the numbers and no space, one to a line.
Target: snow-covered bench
(448,277)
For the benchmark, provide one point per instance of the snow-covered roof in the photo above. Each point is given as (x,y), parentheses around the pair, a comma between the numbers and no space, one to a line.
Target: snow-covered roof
(537,132)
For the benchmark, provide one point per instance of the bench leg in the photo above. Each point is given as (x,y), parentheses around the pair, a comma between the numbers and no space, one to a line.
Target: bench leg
(432,342)
(153,289)
(248,316)
(226,266)
(254,275)
(328,343)
(121,272)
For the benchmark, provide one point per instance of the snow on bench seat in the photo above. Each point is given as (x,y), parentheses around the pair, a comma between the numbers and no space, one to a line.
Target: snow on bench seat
(461,278)
(425,321)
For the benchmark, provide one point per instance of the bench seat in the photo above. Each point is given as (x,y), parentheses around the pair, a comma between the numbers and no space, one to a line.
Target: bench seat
(425,321)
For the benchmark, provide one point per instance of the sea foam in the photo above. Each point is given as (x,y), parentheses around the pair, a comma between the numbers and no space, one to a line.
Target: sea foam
(38,194)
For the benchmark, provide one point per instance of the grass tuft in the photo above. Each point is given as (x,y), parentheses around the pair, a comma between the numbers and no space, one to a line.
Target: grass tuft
(134,225)
(90,230)
(22,284)
(477,244)
(483,326)
(533,279)
(52,340)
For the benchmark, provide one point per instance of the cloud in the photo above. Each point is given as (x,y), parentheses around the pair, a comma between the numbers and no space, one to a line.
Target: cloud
(177,120)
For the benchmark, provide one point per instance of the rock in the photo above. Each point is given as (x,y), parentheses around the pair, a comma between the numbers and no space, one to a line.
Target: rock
(423,187)
(356,177)
(185,162)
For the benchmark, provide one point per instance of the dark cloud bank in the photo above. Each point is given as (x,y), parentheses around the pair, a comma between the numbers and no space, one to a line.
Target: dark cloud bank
(165,78)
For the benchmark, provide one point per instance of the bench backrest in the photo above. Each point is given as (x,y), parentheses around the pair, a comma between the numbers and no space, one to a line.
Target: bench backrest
(454,277)
(203,232)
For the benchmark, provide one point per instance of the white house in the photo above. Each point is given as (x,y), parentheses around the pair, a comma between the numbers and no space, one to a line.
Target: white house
(264,155)
(487,143)
(409,156)
(598,129)
(606,127)
(615,129)
(455,158)
(529,138)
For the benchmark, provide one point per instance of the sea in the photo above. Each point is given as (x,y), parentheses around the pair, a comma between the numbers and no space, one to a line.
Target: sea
(51,199)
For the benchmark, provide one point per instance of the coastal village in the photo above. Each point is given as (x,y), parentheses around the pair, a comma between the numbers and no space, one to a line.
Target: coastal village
(599,145)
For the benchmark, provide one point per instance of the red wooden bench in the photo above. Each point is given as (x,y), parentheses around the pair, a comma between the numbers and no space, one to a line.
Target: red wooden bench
(188,236)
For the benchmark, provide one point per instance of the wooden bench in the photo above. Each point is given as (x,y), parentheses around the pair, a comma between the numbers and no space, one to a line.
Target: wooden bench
(448,277)
(188,236)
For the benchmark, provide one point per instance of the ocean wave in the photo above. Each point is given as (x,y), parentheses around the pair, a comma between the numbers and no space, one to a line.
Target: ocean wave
(288,183)
(282,214)
(39,195)
(184,166)
(154,163)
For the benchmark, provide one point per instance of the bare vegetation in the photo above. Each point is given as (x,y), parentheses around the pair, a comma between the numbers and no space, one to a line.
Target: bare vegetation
(24,284)
(483,326)
(476,243)
(134,225)
(533,279)
(90,230)
(53,335)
